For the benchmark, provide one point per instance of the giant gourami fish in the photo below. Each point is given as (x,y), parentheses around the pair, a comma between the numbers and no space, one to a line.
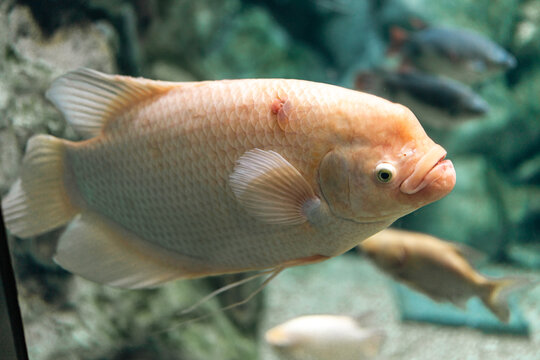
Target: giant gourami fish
(184,180)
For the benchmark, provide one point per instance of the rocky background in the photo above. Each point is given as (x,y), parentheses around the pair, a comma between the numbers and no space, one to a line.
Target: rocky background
(495,206)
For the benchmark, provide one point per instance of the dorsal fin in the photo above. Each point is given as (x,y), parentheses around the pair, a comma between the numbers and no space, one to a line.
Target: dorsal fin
(89,98)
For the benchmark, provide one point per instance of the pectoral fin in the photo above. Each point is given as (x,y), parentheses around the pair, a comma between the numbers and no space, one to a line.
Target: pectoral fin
(273,190)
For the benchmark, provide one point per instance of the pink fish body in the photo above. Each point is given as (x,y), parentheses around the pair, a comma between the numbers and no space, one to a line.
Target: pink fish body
(182,180)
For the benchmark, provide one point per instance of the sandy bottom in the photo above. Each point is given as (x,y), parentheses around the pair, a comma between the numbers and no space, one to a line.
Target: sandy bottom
(350,285)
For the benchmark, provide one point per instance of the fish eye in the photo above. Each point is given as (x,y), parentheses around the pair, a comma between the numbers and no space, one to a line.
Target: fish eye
(385,172)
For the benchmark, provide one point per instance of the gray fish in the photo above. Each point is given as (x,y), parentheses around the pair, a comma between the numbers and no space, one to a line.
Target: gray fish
(460,54)
(437,101)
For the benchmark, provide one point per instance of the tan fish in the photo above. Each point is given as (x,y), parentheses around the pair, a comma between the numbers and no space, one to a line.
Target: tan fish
(183,180)
(325,337)
(438,269)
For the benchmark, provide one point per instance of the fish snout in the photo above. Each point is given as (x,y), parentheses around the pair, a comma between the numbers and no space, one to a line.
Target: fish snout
(428,169)
(510,62)
(502,59)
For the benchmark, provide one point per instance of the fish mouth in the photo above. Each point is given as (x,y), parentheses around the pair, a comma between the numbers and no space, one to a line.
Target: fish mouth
(430,167)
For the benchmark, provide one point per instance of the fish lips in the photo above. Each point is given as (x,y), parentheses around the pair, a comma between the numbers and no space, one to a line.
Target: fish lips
(430,168)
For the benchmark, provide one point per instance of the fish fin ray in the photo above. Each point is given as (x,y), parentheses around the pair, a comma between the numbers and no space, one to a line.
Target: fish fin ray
(97,249)
(38,201)
(273,190)
(496,294)
(224,289)
(272,273)
(89,99)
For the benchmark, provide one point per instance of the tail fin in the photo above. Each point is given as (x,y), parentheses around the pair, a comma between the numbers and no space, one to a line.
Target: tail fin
(497,292)
(38,201)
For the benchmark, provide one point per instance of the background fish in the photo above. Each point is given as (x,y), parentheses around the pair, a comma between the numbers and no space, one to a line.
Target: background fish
(463,55)
(435,100)
(325,337)
(437,269)
(184,180)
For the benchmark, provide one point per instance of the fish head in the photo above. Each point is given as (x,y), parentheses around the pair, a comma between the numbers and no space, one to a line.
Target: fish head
(496,57)
(278,337)
(472,104)
(387,169)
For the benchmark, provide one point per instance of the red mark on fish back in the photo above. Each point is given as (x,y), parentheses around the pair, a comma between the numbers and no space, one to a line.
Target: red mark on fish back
(277,104)
(282,109)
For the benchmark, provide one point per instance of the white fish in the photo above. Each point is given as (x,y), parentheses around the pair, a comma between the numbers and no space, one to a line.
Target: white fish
(184,180)
(325,337)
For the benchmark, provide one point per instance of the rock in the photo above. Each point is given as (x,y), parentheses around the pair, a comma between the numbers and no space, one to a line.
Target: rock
(88,45)
(10,157)
(103,322)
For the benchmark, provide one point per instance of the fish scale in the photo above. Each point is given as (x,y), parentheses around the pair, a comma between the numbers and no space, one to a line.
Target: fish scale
(182,180)
(191,178)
